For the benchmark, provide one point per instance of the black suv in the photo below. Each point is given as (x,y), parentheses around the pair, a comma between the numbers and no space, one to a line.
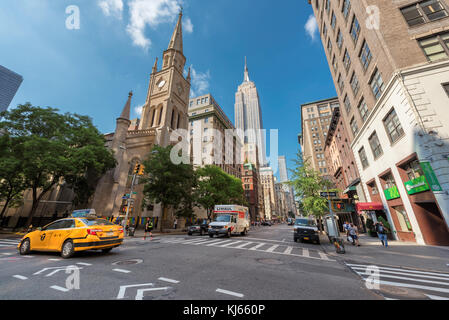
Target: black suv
(201,227)
(306,230)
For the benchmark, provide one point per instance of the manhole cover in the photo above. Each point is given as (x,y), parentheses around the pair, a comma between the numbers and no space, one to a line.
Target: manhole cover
(270,261)
(402,292)
(127,262)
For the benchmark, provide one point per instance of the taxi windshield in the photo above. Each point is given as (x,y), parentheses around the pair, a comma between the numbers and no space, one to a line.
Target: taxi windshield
(223,218)
(96,222)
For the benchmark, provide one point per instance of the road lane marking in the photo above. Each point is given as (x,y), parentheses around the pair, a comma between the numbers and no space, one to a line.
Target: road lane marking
(168,280)
(7,254)
(271,249)
(212,243)
(193,241)
(407,285)
(121,293)
(382,275)
(60,288)
(83,264)
(121,270)
(405,273)
(324,256)
(196,243)
(20,277)
(235,294)
(288,250)
(140,292)
(54,259)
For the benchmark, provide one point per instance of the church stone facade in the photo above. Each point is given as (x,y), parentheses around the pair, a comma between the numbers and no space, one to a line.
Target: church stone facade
(165,111)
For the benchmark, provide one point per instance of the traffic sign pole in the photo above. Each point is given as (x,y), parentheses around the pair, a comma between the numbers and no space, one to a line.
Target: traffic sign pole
(129,201)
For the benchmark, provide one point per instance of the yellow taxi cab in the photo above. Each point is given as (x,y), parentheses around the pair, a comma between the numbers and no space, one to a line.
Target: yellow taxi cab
(80,232)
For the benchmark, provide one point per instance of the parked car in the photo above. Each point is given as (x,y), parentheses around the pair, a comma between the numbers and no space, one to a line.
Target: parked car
(306,230)
(201,228)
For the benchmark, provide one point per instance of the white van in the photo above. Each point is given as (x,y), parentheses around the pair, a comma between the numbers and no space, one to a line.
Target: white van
(230,220)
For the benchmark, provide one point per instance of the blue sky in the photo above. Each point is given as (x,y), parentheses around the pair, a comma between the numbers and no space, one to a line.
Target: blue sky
(91,70)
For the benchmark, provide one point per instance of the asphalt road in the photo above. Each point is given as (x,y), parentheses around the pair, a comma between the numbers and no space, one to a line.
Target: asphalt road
(265,265)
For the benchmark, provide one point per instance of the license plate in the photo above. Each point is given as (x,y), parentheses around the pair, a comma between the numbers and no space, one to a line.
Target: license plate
(306,238)
(110,234)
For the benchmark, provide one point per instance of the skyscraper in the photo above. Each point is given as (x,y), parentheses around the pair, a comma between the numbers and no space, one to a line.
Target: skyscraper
(248,114)
(288,190)
(9,84)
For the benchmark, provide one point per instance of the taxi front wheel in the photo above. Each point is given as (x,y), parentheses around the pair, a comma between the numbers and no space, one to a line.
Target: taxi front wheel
(25,247)
(67,249)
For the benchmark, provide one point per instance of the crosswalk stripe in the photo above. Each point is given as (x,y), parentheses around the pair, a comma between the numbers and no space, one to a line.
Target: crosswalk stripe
(323,256)
(228,243)
(197,243)
(288,250)
(271,249)
(405,273)
(408,285)
(436,297)
(305,252)
(243,245)
(6,245)
(213,243)
(402,270)
(258,246)
(192,241)
(382,275)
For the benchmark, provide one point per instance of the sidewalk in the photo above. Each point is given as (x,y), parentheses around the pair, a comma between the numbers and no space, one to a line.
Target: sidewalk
(398,254)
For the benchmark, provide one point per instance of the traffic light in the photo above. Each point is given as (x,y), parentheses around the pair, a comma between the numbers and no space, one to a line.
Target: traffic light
(141,170)
(137,168)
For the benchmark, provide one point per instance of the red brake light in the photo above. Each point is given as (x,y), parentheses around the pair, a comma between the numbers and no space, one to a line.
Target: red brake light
(93,232)
(121,230)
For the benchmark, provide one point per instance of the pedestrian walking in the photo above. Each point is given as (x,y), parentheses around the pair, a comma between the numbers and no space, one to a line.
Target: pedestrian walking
(149,228)
(175,224)
(354,234)
(382,232)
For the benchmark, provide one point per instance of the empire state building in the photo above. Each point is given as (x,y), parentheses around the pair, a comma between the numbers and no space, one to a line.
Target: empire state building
(248,115)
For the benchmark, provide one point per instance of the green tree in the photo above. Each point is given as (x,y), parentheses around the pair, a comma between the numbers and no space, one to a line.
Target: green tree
(168,184)
(12,182)
(55,148)
(216,187)
(308,185)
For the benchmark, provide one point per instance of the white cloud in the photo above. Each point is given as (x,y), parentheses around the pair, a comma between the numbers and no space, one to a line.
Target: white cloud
(200,82)
(111,7)
(311,27)
(151,13)
(188,26)
(138,110)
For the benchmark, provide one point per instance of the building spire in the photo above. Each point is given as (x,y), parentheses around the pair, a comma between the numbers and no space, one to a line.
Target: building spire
(246,76)
(176,39)
(189,76)
(127,109)
(155,66)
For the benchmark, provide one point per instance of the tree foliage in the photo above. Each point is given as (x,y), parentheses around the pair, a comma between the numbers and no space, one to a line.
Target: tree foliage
(53,148)
(308,185)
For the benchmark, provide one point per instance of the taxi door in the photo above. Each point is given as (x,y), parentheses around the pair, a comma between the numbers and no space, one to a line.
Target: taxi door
(43,240)
(60,234)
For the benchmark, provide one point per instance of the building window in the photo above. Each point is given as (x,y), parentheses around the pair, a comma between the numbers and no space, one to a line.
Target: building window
(377,84)
(355,29)
(325,30)
(340,82)
(206,120)
(363,158)
(346,60)
(446,88)
(354,84)
(424,11)
(346,8)
(354,126)
(339,39)
(389,181)
(436,47)
(393,126)
(413,169)
(333,20)
(328,5)
(347,104)
(363,110)
(329,46)
(365,55)
(334,63)
(375,145)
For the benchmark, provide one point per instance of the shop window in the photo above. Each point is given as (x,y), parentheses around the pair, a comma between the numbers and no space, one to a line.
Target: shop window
(404,222)
(413,170)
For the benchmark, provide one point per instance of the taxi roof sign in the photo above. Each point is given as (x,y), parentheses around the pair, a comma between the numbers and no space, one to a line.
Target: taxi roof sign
(85,213)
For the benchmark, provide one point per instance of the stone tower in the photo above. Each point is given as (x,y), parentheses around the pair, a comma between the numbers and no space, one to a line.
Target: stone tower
(166,107)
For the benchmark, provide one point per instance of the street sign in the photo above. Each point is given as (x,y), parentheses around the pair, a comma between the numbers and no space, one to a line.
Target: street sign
(328,194)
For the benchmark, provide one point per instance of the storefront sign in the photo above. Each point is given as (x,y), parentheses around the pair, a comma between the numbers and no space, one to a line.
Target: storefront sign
(417,185)
(431,177)
(392,193)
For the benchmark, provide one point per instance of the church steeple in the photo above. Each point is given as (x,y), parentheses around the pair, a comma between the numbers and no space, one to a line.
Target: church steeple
(127,109)
(176,39)
(246,75)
